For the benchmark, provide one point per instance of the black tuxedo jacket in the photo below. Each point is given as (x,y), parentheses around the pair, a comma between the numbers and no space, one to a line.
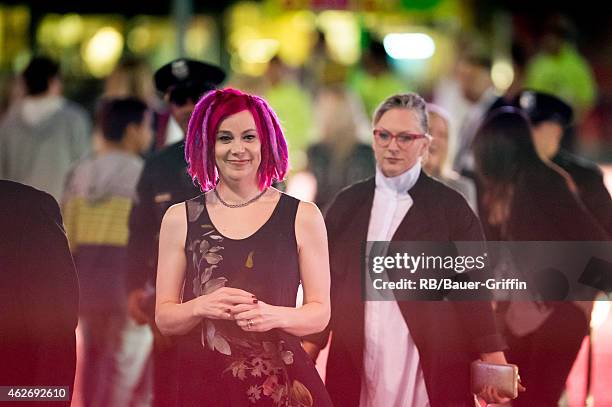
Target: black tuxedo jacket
(448,335)
(38,292)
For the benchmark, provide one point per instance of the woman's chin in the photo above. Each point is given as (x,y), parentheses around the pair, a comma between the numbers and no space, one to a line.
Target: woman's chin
(237,175)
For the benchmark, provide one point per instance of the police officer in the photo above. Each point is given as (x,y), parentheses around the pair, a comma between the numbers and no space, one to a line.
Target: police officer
(164,181)
(550,117)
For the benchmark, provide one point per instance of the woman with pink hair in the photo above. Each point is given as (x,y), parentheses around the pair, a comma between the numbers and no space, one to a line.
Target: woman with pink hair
(231,260)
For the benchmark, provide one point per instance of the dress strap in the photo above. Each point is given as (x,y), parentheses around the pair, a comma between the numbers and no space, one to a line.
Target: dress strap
(287,210)
(195,208)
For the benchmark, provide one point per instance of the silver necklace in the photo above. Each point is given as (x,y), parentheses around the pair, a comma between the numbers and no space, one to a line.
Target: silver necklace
(240,205)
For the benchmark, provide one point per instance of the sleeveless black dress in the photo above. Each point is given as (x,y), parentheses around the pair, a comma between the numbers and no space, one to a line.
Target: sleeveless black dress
(219,363)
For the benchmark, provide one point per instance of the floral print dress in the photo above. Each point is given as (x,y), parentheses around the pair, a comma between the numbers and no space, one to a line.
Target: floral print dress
(219,363)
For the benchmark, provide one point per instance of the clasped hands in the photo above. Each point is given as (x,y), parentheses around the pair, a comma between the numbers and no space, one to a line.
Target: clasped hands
(241,306)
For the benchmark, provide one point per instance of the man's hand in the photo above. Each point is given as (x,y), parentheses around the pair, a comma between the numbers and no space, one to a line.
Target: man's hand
(135,301)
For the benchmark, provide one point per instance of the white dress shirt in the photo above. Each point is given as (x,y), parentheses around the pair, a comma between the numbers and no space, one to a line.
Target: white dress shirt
(392,374)
(174,133)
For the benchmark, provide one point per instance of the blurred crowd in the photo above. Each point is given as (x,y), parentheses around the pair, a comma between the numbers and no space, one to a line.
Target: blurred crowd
(117,169)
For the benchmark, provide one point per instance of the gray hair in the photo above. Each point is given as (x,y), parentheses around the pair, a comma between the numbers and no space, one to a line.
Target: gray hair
(410,101)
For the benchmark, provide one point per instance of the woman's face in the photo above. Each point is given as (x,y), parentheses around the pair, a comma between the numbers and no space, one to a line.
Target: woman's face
(395,159)
(438,148)
(237,147)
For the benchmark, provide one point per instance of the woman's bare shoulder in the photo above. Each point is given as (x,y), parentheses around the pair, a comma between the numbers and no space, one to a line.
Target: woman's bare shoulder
(309,210)
(175,217)
(309,219)
(175,211)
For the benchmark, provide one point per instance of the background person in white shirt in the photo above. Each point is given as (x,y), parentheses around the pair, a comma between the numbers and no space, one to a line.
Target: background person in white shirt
(389,353)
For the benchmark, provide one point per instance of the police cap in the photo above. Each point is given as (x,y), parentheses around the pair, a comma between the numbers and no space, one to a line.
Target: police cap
(543,107)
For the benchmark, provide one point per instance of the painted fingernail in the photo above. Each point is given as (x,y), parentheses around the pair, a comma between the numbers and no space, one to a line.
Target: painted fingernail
(255,301)
(253,296)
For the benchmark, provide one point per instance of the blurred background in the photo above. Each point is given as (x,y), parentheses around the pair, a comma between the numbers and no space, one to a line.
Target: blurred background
(314,59)
(316,41)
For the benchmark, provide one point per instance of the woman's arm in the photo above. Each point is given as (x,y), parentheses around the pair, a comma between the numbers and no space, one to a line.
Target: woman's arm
(171,316)
(311,236)
(313,316)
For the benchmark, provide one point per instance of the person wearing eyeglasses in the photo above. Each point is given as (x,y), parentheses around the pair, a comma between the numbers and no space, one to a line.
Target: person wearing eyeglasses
(400,353)
(164,182)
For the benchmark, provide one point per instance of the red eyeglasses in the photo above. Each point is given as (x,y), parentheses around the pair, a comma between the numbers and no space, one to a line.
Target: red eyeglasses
(383,138)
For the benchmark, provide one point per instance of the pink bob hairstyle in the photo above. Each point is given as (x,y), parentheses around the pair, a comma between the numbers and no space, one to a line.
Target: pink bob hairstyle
(209,112)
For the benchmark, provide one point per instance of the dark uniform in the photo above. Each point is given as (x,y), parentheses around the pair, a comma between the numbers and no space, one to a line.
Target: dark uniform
(164,182)
(541,107)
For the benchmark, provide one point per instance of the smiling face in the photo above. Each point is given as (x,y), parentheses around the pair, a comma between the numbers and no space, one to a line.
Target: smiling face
(394,160)
(238,148)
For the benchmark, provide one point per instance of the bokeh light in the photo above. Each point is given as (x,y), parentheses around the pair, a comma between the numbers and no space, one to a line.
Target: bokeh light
(341,35)
(102,52)
(502,74)
(409,45)
(70,30)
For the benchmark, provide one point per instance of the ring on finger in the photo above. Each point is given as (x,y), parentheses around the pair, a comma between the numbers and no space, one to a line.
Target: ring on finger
(249,323)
